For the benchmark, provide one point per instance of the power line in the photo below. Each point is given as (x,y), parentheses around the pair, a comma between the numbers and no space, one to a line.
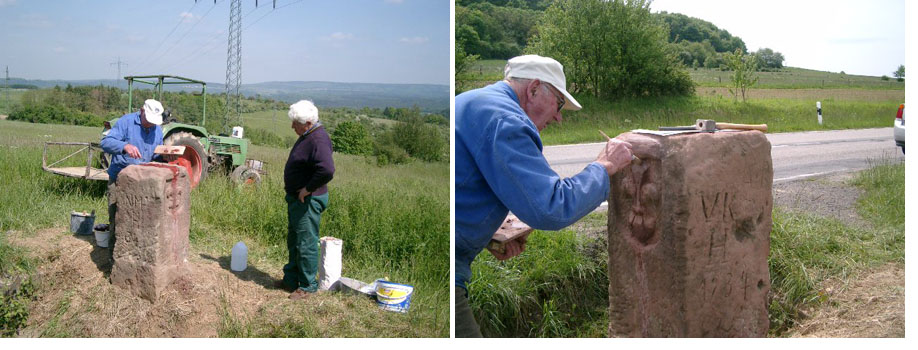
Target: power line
(186,32)
(167,36)
(272,11)
(207,47)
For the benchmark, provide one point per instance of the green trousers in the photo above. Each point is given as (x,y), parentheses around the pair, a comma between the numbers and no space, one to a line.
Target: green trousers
(303,241)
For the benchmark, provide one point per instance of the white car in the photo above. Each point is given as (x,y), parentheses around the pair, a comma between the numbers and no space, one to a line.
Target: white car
(899,128)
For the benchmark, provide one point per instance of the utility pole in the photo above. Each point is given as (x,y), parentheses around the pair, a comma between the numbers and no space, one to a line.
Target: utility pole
(6,86)
(119,64)
(234,63)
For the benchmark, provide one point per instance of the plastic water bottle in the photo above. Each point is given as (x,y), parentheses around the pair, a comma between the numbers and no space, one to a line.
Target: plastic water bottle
(240,257)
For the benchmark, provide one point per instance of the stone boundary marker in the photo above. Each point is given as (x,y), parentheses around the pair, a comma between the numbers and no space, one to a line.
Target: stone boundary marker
(151,243)
(689,233)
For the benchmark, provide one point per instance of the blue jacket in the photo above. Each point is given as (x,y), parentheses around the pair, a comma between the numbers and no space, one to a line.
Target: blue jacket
(128,130)
(500,167)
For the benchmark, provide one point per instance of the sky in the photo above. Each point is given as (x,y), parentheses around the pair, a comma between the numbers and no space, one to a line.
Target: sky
(361,41)
(858,37)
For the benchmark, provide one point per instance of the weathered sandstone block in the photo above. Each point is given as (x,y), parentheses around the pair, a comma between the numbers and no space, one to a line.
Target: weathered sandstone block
(151,242)
(689,236)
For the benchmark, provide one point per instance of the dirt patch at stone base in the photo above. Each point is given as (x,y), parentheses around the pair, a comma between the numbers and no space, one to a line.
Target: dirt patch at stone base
(76,299)
(870,305)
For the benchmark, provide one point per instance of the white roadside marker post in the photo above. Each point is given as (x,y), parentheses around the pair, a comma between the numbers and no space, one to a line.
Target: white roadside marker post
(819,112)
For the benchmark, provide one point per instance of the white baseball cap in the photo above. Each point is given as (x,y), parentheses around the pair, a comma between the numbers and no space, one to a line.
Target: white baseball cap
(545,69)
(153,111)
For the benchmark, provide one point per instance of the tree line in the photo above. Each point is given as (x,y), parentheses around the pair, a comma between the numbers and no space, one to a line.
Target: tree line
(609,48)
(417,135)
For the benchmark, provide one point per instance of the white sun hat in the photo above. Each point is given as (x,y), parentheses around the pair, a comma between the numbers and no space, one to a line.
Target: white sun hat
(545,69)
(153,111)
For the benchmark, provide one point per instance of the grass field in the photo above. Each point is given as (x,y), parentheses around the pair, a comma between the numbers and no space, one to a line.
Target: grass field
(785,100)
(394,222)
(484,72)
(558,286)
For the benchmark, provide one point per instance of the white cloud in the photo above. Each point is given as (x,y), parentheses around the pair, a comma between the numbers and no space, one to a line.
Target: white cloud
(338,36)
(59,49)
(414,40)
(187,17)
(4,3)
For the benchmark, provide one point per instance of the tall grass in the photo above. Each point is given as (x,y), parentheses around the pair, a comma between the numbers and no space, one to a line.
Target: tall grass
(394,221)
(558,286)
(806,250)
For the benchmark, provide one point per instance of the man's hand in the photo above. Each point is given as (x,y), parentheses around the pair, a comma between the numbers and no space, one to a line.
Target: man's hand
(132,151)
(302,194)
(615,156)
(511,248)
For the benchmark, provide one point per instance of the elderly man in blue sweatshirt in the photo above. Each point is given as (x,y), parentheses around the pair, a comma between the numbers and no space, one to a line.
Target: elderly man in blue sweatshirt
(500,167)
(131,140)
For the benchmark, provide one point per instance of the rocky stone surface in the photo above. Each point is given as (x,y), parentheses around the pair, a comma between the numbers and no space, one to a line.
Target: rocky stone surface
(689,236)
(151,243)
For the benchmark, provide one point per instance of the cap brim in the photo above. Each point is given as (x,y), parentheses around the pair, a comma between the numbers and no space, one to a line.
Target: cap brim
(570,103)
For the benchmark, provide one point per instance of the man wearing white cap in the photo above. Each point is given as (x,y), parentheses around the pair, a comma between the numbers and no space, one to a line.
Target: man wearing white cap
(134,137)
(500,167)
(131,141)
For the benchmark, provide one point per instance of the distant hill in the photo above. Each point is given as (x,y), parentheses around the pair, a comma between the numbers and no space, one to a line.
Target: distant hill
(428,97)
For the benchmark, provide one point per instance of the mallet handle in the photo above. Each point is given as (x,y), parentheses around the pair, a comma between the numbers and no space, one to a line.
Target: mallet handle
(759,127)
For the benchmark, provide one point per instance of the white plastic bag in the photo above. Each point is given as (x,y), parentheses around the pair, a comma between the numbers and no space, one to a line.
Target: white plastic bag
(329,262)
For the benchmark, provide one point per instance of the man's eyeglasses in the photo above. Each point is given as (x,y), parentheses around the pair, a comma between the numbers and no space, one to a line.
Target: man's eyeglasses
(560,100)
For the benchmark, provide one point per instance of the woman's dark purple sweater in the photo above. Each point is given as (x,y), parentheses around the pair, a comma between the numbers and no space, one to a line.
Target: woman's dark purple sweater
(310,163)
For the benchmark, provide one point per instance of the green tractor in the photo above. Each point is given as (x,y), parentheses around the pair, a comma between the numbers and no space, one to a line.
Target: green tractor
(205,152)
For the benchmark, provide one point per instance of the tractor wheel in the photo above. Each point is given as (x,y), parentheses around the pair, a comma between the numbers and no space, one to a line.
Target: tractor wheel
(244,175)
(194,153)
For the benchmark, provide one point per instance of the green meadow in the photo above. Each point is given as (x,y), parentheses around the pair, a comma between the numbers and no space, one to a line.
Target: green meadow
(394,222)
(785,100)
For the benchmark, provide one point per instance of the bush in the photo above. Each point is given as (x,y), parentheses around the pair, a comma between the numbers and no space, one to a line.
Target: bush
(611,49)
(352,138)
(390,154)
(420,140)
(53,114)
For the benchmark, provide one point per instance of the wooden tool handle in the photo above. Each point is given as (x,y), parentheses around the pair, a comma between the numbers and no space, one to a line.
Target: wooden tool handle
(759,127)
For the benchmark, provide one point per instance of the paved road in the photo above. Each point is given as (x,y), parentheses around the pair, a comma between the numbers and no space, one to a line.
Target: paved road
(795,156)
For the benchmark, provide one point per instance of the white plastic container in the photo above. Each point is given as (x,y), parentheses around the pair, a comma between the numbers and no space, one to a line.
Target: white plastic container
(329,262)
(237,132)
(102,238)
(240,257)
